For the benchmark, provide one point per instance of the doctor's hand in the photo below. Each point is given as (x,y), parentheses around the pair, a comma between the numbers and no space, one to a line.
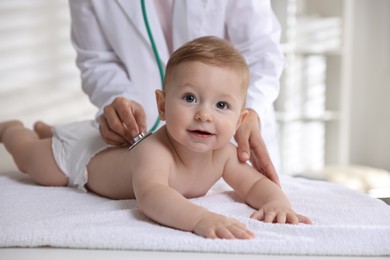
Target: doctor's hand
(251,146)
(121,121)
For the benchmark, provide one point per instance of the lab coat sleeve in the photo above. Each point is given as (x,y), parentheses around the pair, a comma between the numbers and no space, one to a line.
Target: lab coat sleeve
(102,73)
(254,30)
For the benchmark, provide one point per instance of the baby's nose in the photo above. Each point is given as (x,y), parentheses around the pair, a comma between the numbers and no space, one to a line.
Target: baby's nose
(203,115)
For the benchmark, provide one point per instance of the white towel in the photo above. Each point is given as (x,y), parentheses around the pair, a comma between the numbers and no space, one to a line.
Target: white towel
(345,222)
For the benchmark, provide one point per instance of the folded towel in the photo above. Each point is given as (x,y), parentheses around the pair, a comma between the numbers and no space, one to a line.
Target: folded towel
(346,222)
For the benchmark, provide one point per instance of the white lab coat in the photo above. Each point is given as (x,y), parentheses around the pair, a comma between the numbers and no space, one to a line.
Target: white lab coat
(115,56)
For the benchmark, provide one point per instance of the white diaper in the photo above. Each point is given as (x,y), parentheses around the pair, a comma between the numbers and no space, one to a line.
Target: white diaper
(73,147)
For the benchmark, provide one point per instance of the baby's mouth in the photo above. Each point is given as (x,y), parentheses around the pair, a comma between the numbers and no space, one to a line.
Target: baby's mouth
(200,133)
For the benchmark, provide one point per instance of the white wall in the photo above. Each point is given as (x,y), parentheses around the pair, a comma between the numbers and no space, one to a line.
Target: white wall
(370,84)
(38,76)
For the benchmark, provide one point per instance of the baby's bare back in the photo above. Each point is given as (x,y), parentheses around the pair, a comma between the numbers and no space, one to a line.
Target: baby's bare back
(109,174)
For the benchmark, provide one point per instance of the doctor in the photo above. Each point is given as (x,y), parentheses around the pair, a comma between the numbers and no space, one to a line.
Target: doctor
(120,75)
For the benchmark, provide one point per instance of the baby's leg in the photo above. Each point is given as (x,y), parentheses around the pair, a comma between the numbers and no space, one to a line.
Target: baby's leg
(31,155)
(6,125)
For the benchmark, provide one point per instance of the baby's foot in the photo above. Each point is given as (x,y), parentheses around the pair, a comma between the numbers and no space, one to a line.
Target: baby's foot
(43,130)
(7,124)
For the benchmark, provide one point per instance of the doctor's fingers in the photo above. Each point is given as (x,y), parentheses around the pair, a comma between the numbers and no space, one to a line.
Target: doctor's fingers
(108,135)
(251,146)
(140,117)
(242,138)
(261,159)
(115,113)
(132,115)
(244,135)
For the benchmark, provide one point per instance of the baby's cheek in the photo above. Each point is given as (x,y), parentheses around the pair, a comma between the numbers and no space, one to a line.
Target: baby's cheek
(230,131)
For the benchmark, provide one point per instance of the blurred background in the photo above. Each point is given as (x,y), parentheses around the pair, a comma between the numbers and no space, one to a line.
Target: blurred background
(333,110)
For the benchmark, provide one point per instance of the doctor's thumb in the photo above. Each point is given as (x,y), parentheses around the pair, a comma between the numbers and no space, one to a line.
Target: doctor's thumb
(243,151)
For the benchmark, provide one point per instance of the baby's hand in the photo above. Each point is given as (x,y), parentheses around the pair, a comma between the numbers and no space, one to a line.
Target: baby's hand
(274,212)
(212,225)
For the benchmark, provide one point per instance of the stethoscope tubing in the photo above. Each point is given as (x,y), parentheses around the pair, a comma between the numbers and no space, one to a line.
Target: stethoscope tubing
(142,136)
(156,55)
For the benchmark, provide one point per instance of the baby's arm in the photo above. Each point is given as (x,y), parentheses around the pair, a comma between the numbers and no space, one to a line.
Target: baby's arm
(167,206)
(275,207)
(260,193)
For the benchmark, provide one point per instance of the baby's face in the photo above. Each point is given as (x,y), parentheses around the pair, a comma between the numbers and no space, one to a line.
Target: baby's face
(203,105)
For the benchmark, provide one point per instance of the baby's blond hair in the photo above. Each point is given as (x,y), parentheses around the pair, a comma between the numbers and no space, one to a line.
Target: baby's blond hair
(210,50)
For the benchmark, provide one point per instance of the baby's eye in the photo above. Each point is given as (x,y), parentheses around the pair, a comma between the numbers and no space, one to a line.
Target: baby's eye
(222,105)
(190,98)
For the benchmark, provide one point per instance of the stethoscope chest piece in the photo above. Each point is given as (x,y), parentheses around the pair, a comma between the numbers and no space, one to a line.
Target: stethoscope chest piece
(138,139)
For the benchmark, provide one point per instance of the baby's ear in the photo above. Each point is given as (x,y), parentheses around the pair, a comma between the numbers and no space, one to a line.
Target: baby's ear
(160,99)
(242,118)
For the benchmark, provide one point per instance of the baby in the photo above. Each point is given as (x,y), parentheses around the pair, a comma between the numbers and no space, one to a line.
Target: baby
(202,103)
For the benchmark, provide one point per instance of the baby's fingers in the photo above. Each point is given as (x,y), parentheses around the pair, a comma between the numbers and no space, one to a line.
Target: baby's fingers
(258,214)
(242,233)
(233,232)
(270,216)
(281,218)
(294,218)
(224,233)
(303,219)
(267,217)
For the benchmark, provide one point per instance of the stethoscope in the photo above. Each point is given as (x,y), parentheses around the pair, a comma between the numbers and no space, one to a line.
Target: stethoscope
(142,136)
